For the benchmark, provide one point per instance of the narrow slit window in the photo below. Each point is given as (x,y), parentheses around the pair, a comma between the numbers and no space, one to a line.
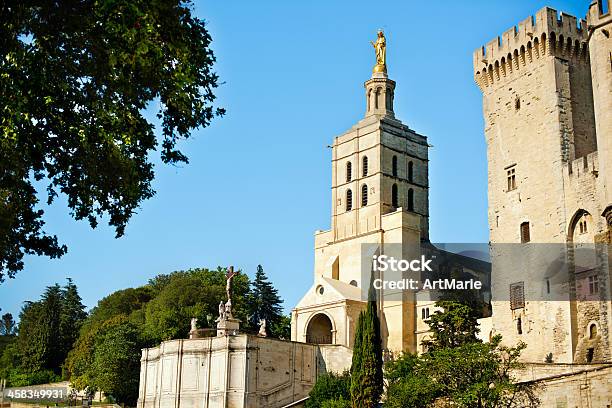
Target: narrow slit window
(394,196)
(410,199)
(365,166)
(394,166)
(410,172)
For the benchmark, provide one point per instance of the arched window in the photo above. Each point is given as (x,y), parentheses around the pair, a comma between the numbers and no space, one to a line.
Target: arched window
(592,331)
(410,171)
(394,197)
(349,171)
(364,195)
(394,166)
(410,199)
(349,200)
(519,326)
(364,166)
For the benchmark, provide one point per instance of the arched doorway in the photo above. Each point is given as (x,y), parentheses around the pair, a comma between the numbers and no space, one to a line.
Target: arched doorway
(319,330)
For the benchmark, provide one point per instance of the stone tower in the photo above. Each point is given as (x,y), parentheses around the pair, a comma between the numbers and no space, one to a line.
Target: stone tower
(546,102)
(379,196)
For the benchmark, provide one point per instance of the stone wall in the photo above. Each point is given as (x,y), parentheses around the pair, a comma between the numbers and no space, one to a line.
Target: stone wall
(546,93)
(241,371)
(571,385)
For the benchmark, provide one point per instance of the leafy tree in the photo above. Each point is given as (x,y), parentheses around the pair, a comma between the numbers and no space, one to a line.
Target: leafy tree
(7,325)
(116,361)
(456,325)
(264,303)
(459,368)
(34,337)
(48,329)
(72,316)
(187,294)
(122,302)
(76,78)
(366,368)
(282,329)
(330,390)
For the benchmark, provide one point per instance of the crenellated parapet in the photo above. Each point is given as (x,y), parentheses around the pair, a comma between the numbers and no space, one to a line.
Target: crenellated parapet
(548,33)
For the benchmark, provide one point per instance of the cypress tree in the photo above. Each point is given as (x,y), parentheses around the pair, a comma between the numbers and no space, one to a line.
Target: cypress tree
(366,368)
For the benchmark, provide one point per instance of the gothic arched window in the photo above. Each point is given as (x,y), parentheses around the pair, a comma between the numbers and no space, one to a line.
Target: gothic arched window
(364,195)
(364,166)
(349,171)
(394,196)
(349,200)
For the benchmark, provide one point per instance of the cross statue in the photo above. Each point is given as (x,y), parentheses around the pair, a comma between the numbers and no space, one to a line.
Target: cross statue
(228,285)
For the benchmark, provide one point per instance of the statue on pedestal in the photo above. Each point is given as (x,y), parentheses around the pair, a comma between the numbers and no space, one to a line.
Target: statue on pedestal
(222,315)
(381,52)
(228,309)
(262,328)
(194,324)
(226,324)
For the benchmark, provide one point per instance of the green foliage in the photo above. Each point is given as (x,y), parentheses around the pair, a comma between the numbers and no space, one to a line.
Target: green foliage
(456,325)
(116,361)
(122,302)
(339,403)
(183,295)
(331,390)
(145,316)
(282,329)
(264,303)
(416,391)
(8,355)
(19,378)
(7,325)
(459,368)
(47,331)
(366,368)
(76,78)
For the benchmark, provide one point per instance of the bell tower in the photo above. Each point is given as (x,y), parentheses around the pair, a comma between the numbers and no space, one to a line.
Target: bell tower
(379,196)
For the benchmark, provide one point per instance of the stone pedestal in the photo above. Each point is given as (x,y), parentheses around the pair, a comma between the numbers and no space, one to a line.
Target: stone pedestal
(228,327)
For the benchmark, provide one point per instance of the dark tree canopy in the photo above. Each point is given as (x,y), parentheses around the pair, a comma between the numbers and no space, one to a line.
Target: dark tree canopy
(366,366)
(7,325)
(265,303)
(75,79)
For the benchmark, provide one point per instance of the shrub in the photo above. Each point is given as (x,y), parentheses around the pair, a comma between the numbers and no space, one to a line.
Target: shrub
(330,391)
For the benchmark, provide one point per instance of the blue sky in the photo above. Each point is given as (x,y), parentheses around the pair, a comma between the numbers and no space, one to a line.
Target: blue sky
(258,184)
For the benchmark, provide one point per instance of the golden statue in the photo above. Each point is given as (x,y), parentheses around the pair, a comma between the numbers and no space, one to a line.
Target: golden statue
(381,52)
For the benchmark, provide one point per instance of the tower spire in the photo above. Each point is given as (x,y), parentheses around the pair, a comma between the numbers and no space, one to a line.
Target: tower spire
(379,88)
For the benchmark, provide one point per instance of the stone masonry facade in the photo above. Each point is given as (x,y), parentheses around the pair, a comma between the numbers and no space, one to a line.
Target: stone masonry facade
(547,105)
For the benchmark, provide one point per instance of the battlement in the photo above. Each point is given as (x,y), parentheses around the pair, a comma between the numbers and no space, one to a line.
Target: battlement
(599,12)
(586,165)
(546,33)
